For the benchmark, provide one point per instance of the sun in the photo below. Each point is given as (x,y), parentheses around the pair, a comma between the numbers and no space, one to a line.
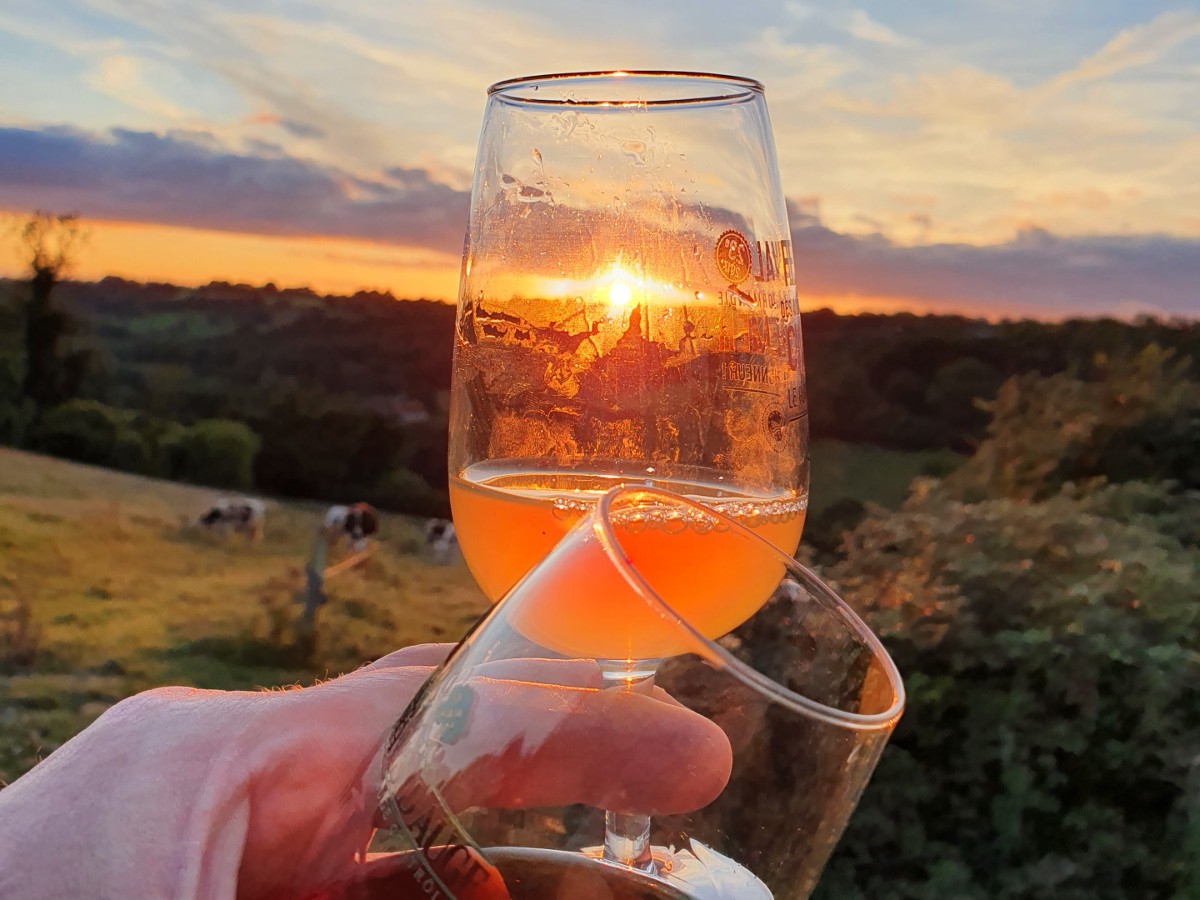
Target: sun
(619,294)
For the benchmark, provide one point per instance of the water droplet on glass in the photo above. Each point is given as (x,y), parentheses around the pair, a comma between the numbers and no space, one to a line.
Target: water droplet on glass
(635,149)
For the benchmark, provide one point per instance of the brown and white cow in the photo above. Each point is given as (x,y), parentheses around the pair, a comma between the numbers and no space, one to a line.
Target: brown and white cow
(354,524)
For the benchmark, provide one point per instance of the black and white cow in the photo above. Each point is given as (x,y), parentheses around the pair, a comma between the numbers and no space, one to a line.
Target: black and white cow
(353,524)
(237,515)
(441,540)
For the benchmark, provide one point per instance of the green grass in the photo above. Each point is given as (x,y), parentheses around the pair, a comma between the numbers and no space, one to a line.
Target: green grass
(126,597)
(869,474)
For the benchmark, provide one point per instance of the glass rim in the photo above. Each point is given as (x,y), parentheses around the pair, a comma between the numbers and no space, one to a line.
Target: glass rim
(881,721)
(737,88)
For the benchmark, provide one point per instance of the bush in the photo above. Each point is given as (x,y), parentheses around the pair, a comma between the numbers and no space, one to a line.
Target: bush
(216,452)
(1051,653)
(407,492)
(1048,431)
(824,531)
(131,452)
(91,432)
(83,430)
(16,411)
(15,416)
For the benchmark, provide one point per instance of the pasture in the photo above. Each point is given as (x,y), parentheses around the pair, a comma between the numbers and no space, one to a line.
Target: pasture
(123,598)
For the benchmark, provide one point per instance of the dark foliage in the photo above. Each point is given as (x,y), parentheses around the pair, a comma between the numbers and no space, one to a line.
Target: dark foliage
(1049,635)
(53,369)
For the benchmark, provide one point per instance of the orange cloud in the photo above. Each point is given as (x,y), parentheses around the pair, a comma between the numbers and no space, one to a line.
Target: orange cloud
(188,256)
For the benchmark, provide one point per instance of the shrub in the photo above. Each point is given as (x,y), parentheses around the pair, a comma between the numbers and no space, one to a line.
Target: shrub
(16,411)
(217,452)
(1047,431)
(131,452)
(15,416)
(101,435)
(407,492)
(83,430)
(823,532)
(1051,653)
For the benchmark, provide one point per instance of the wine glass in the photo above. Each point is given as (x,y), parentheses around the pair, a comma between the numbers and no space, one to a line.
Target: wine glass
(627,315)
(751,751)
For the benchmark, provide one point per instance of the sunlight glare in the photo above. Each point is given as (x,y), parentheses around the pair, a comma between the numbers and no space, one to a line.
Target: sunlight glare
(619,295)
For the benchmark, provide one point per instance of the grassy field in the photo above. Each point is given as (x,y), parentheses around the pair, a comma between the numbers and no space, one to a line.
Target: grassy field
(123,597)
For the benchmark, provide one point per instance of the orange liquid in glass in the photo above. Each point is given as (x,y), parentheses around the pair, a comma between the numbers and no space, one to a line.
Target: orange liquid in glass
(509,519)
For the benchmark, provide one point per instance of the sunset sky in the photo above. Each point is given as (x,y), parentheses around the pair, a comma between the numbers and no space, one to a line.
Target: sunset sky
(1038,158)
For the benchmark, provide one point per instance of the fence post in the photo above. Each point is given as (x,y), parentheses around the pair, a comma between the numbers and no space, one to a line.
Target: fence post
(314,585)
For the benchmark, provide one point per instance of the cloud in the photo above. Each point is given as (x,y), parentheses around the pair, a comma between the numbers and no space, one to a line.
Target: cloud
(121,77)
(1035,273)
(863,27)
(1134,47)
(190,180)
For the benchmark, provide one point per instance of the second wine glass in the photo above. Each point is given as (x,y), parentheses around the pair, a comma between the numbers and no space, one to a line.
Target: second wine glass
(627,315)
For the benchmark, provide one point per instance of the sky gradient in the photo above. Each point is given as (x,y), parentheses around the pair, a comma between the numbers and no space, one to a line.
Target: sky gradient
(965,156)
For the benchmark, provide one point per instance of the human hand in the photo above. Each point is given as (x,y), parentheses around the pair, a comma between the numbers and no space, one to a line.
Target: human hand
(185,793)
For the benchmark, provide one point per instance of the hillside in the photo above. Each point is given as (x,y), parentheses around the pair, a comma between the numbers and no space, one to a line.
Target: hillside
(127,599)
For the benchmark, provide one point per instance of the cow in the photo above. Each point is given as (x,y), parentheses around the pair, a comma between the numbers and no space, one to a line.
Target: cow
(239,515)
(353,524)
(441,540)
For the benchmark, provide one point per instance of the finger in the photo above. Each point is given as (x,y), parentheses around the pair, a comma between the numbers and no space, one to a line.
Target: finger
(416,655)
(528,745)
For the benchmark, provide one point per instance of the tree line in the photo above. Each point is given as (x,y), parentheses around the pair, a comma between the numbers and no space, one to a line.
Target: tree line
(345,397)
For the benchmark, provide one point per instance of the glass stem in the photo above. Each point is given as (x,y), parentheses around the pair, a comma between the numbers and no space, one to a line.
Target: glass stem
(627,835)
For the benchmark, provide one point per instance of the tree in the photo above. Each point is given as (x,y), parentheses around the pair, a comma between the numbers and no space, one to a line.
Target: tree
(52,372)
